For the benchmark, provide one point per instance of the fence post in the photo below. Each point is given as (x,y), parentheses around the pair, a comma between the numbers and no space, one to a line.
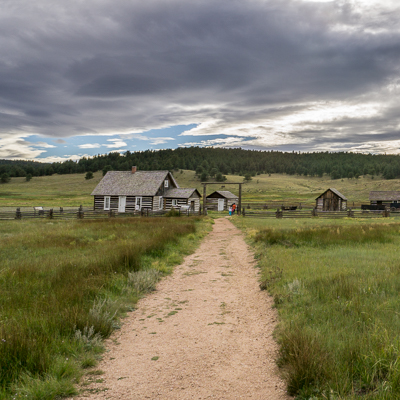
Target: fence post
(51,213)
(111,214)
(18,214)
(314,212)
(279,213)
(244,212)
(350,213)
(80,212)
(61,210)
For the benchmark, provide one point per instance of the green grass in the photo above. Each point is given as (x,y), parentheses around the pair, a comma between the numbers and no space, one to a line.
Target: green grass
(293,188)
(64,285)
(49,191)
(73,190)
(336,286)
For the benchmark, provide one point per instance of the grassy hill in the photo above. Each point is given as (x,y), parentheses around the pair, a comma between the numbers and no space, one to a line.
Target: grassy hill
(50,191)
(74,190)
(293,188)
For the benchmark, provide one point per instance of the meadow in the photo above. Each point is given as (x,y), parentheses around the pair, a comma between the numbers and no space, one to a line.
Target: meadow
(336,287)
(335,283)
(64,287)
(73,190)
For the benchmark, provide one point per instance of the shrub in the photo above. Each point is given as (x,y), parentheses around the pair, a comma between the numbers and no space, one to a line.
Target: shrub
(173,213)
(5,178)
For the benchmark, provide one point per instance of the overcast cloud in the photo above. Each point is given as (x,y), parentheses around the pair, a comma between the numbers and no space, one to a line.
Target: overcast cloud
(262,74)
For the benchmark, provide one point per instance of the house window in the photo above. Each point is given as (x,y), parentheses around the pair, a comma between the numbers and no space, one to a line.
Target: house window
(174,202)
(106,202)
(161,203)
(138,203)
(166,183)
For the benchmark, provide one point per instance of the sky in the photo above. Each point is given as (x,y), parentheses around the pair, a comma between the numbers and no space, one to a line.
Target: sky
(86,77)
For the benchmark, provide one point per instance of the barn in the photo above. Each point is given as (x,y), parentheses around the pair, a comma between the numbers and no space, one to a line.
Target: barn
(388,198)
(331,200)
(129,191)
(221,200)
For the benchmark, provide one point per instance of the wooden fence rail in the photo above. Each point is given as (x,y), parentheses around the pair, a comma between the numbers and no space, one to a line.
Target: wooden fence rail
(317,214)
(82,213)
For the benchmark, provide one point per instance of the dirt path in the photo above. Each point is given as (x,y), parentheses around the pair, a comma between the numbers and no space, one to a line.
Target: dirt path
(210,327)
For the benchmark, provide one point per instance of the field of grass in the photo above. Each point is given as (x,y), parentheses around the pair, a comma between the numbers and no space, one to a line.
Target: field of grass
(293,188)
(64,285)
(49,191)
(73,190)
(336,286)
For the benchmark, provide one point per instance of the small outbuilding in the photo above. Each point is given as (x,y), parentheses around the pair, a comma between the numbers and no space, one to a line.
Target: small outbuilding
(221,200)
(387,198)
(182,198)
(331,200)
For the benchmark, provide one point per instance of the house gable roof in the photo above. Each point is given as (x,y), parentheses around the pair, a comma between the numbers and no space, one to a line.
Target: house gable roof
(334,191)
(124,183)
(224,193)
(179,193)
(384,195)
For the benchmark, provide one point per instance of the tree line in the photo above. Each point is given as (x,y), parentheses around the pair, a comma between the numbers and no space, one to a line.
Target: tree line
(217,162)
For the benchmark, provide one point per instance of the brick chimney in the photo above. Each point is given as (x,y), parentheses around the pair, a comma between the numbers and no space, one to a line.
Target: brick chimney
(133,170)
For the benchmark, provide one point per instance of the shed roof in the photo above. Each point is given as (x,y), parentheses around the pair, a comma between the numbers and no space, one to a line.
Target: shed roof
(180,193)
(384,195)
(224,193)
(124,183)
(334,191)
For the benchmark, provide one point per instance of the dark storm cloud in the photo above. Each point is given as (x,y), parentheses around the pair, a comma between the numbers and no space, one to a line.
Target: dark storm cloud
(116,66)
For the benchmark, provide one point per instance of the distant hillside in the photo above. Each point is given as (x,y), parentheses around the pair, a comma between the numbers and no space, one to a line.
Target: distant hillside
(208,162)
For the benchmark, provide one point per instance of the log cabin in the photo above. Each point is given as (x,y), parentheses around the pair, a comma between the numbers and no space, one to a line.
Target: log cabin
(130,191)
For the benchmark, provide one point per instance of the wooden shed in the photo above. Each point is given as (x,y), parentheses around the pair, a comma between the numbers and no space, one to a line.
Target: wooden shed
(331,200)
(182,198)
(221,200)
(384,197)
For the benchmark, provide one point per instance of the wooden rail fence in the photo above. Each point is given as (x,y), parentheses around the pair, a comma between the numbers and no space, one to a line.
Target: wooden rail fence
(82,213)
(318,214)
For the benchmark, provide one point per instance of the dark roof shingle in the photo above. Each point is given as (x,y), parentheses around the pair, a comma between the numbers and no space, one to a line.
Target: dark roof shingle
(178,193)
(334,191)
(225,193)
(124,183)
(384,195)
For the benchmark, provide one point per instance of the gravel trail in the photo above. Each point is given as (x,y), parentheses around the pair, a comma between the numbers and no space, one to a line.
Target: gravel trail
(206,333)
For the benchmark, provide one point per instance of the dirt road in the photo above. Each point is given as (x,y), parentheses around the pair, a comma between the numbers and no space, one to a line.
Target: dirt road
(206,333)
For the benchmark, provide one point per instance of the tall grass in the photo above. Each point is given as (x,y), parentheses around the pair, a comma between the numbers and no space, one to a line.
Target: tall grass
(336,287)
(62,286)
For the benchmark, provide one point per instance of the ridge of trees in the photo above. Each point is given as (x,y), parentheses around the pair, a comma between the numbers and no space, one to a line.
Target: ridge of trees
(217,162)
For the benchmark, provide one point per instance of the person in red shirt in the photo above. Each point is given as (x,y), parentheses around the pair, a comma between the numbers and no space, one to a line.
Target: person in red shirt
(233,208)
